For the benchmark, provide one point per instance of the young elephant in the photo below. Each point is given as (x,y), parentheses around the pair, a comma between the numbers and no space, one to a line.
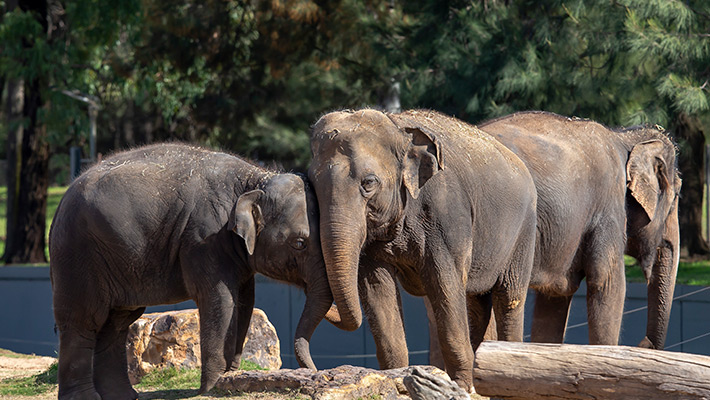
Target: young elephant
(167,223)
(435,203)
(601,193)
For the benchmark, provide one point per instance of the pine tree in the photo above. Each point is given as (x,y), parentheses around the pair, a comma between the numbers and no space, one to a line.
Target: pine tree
(620,63)
(670,40)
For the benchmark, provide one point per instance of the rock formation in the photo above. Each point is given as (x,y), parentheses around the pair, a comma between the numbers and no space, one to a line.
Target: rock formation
(343,382)
(172,339)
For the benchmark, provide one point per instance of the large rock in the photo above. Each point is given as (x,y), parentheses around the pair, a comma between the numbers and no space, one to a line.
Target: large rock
(423,385)
(262,345)
(344,382)
(172,339)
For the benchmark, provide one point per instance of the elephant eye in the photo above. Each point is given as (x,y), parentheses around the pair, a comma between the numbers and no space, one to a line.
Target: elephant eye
(369,184)
(299,243)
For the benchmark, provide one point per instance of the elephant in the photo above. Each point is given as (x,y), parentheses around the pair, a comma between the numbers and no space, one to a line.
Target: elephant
(166,223)
(435,204)
(601,193)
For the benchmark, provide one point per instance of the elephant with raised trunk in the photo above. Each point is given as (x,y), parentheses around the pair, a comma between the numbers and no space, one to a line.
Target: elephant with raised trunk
(166,223)
(435,203)
(601,192)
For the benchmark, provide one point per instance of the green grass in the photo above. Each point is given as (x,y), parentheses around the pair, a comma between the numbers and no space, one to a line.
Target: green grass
(170,379)
(172,382)
(32,385)
(247,365)
(180,378)
(55,195)
(689,273)
(12,354)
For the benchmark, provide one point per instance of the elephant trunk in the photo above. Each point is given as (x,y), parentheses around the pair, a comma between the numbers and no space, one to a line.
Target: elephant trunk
(661,283)
(341,242)
(318,302)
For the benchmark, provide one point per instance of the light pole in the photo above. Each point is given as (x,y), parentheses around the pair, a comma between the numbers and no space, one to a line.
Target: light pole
(94,106)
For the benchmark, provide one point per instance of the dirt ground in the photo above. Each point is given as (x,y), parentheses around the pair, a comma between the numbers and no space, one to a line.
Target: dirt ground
(17,366)
(14,365)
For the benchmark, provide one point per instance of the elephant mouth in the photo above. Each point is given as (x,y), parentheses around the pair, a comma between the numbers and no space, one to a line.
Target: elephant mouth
(383,232)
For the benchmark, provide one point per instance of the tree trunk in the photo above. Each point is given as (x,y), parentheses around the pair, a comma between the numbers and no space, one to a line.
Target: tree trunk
(565,371)
(28,180)
(15,104)
(691,140)
(28,155)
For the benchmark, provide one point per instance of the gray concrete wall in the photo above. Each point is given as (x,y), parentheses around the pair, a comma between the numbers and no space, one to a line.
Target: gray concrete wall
(27,323)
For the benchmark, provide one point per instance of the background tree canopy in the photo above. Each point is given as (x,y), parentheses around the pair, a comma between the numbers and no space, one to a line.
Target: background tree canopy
(251,76)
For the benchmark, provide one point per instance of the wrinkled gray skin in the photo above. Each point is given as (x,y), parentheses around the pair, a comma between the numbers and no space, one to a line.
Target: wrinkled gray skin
(601,193)
(435,203)
(167,223)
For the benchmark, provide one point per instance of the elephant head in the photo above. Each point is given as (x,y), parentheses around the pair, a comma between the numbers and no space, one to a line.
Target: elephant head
(365,167)
(279,226)
(653,186)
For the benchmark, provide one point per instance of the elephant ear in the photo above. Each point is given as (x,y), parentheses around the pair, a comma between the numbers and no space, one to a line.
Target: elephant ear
(422,161)
(647,174)
(246,219)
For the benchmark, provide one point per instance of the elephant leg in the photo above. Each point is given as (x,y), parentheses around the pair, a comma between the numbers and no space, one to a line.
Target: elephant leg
(511,290)
(605,307)
(550,318)
(216,307)
(240,322)
(479,315)
(509,308)
(448,301)
(381,301)
(75,372)
(435,357)
(110,365)
(606,285)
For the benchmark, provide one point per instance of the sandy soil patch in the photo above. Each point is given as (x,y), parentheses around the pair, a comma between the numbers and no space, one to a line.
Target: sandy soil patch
(19,366)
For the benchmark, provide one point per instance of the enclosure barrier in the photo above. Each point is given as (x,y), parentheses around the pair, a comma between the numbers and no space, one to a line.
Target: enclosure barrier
(567,371)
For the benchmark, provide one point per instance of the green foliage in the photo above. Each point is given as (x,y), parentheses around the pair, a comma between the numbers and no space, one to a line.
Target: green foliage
(66,61)
(250,77)
(616,62)
(30,386)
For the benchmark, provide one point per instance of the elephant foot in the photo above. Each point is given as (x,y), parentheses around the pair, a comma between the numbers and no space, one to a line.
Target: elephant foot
(465,383)
(236,363)
(83,395)
(204,388)
(646,344)
(114,384)
(116,393)
(207,382)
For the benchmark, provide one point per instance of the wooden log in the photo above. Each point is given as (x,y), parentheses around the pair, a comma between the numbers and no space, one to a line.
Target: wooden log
(566,371)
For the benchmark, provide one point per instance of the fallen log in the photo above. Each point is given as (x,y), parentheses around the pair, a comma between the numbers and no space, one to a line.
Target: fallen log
(566,371)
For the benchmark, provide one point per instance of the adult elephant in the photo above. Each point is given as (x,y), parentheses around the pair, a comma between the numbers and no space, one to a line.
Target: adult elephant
(601,192)
(167,223)
(435,203)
